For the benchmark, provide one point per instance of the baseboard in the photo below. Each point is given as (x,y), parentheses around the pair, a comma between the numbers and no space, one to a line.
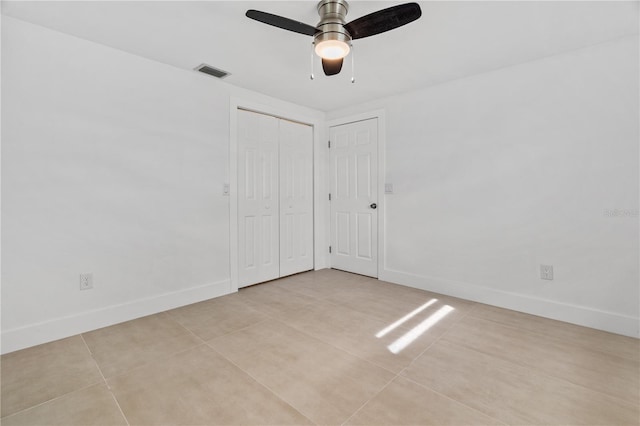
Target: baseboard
(574,314)
(59,328)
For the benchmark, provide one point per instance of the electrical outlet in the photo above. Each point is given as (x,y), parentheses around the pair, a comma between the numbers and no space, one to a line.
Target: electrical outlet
(86,281)
(546,272)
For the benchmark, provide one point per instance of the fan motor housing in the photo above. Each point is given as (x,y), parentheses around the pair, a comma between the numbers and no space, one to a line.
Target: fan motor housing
(332,19)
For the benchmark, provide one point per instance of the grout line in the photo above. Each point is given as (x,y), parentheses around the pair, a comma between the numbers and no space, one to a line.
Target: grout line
(104,379)
(93,359)
(206,342)
(370,399)
(555,339)
(542,370)
(470,313)
(281,321)
(49,400)
(455,324)
(346,306)
(259,382)
(151,360)
(185,328)
(246,305)
(118,405)
(453,399)
(337,347)
(156,360)
(295,291)
(536,371)
(270,317)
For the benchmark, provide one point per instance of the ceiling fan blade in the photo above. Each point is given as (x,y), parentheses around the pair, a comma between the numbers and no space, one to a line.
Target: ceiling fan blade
(383,20)
(331,66)
(281,22)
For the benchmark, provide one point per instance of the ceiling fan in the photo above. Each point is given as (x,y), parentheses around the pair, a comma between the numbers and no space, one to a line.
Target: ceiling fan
(332,36)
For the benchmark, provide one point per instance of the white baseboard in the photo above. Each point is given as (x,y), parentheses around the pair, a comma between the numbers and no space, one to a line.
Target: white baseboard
(59,328)
(574,314)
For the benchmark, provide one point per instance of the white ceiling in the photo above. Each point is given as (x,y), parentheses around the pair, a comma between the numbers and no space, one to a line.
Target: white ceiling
(451,40)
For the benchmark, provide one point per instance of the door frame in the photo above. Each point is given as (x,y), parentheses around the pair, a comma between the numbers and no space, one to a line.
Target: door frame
(286,113)
(380,114)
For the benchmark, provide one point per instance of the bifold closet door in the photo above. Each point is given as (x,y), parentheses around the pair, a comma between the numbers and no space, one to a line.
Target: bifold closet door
(275,198)
(296,198)
(258,199)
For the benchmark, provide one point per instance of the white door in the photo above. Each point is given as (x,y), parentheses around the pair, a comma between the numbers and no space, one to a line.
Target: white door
(354,214)
(275,198)
(258,200)
(296,198)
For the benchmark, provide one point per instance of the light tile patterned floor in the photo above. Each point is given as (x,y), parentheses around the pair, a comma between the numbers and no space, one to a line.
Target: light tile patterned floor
(328,347)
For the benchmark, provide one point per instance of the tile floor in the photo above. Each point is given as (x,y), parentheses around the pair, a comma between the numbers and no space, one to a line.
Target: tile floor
(328,347)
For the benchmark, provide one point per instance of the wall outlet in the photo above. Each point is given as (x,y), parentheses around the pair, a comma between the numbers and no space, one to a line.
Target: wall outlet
(86,281)
(546,272)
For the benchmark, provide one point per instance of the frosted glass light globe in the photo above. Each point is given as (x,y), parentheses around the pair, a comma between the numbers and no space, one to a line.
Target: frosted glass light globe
(332,49)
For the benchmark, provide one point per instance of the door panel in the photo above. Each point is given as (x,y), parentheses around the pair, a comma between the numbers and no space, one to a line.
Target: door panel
(364,186)
(363,237)
(343,233)
(249,242)
(354,177)
(296,200)
(275,198)
(257,198)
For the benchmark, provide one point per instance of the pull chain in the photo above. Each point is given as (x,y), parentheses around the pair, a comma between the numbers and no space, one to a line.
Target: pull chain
(312,61)
(353,67)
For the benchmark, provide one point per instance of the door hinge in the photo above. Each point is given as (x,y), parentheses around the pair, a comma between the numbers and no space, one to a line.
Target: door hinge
(329,197)
(329,144)
(329,249)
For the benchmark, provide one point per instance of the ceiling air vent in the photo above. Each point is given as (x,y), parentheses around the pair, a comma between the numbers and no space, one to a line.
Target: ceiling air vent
(204,68)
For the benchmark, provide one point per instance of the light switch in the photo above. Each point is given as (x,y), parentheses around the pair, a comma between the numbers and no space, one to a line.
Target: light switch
(225,189)
(546,272)
(388,188)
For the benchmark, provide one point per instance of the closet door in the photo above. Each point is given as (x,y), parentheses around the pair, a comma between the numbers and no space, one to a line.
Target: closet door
(296,198)
(258,198)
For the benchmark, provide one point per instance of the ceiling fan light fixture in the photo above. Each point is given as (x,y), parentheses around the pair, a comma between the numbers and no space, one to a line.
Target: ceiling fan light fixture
(332,49)
(332,36)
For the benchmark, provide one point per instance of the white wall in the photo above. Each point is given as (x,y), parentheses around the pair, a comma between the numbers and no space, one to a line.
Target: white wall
(111,164)
(501,172)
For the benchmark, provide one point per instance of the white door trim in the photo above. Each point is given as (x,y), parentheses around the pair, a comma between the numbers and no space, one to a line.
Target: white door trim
(286,113)
(381,116)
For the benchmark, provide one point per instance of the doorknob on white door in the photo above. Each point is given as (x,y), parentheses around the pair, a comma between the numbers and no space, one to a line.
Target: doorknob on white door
(373,206)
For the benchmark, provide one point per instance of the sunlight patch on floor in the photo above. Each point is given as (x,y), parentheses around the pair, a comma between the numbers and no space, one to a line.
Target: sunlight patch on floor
(417,331)
(405,318)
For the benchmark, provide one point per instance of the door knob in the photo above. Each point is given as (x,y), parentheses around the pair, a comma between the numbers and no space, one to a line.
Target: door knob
(373,206)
